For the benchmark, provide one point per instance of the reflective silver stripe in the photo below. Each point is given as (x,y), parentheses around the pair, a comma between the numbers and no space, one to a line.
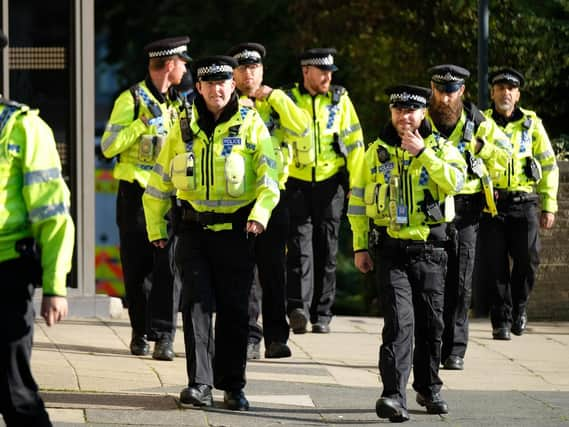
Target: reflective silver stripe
(41,176)
(154,192)
(550,167)
(351,129)
(158,169)
(45,212)
(219,203)
(358,192)
(544,155)
(268,182)
(353,146)
(293,133)
(505,144)
(113,128)
(270,162)
(459,179)
(356,210)
(108,141)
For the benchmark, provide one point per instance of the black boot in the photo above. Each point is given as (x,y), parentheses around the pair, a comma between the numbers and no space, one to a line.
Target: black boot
(139,345)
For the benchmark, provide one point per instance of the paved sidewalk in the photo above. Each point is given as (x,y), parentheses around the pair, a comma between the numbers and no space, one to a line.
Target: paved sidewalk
(88,377)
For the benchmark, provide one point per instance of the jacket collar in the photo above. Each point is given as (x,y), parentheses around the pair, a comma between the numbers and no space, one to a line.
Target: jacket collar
(503,121)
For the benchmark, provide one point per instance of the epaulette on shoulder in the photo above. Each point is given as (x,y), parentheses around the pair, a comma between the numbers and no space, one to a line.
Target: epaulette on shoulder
(337,91)
(288,89)
(136,98)
(13,104)
(244,110)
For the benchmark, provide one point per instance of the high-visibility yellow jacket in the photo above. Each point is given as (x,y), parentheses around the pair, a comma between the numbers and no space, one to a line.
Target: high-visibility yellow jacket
(530,141)
(439,169)
(34,197)
(335,140)
(495,153)
(202,170)
(286,123)
(128,137)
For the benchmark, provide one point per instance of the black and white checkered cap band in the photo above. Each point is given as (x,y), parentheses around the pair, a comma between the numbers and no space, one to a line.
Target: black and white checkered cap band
(326,60)
(211,70)
(247,54)
(407,97)
(167,52)
(507,77)
(446,78)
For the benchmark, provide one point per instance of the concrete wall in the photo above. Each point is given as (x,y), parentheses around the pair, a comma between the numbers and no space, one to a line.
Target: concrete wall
(550,297)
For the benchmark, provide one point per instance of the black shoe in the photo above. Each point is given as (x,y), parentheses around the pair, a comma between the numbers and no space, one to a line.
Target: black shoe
(196,395)
(501,334)
(253,351)
(139,345)
(164,350)
(520,324)
(320,328)
(277,350)
(298,321)
(434,403)
(454,363)
(236,400)
(386,407)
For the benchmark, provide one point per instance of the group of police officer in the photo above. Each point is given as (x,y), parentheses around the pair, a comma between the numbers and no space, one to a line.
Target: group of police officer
(242,175)
(250,176)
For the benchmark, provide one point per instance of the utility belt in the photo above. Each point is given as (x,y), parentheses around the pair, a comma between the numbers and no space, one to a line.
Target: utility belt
(515,197)
(388,244)
(189,215)
(468,202)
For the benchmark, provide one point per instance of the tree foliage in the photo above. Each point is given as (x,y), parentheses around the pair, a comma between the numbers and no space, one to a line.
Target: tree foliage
(379,42)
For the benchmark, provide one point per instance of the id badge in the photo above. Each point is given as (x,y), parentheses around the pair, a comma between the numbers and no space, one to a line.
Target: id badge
(401,217)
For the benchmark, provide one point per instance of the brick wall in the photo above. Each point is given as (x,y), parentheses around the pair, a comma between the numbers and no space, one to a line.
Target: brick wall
(550,297)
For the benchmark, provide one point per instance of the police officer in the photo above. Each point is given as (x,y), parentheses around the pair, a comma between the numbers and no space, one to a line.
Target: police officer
(36,247)
(141,118)
(285,122)
(531,180)
(405,188)
(320,174)
(486,151)
(219,159)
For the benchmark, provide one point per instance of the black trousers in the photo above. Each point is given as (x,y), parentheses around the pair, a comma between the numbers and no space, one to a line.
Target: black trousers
(216,270)
(270,257)
(412,287)
(460,269)
(315,213)
(514,233)
(152,293)
(20,402)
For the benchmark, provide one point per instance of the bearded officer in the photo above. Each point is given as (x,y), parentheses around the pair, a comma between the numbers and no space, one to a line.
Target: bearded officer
(487,151)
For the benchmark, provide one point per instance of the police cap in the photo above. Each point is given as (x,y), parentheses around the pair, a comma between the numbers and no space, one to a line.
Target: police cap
(448,78)
(408,96)
(3,40)
(169,47)
(322,58)
(248,53)
(218,67)
(507,75)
